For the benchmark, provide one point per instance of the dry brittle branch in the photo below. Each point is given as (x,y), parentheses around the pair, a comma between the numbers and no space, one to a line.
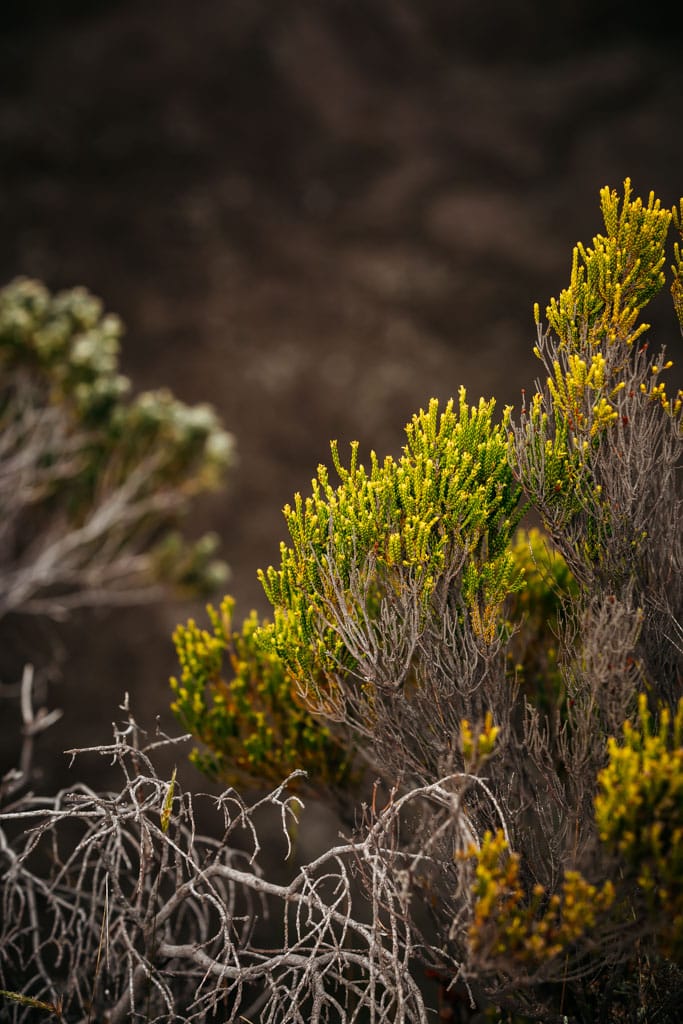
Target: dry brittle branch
(114,908)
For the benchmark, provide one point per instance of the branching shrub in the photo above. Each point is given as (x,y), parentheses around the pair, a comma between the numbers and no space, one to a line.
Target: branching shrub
(516,697)
(407,608)
(598,448)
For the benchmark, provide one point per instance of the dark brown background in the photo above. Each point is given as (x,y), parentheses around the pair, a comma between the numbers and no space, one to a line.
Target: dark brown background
(315,216)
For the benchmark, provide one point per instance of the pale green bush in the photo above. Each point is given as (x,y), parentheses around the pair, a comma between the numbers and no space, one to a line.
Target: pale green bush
(94,483)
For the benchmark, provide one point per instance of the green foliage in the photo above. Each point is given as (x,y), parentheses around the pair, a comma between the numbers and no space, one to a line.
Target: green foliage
(677,266)
(513,927)
(450,497)
(615,279)
(70,348)
(408,609)
(112,474)
(639,812)
(597,450)
(235,697)
(593,381)
(536,612)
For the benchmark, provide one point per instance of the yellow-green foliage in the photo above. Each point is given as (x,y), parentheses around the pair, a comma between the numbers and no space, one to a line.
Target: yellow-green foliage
(511,926)
(612,281)
(590,355)
(477,748)
(451,489)
(235,697)
(570,388)
(639,812)
(535,609)
(556,461)
(677,266)
(595,319)
(426,545)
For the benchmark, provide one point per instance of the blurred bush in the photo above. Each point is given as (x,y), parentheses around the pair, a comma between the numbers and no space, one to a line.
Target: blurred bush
(94,483)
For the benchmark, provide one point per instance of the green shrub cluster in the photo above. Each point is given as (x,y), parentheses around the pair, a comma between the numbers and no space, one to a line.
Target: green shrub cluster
(639,812)
(236,698)
(448,506)
(410,611)
(95,482)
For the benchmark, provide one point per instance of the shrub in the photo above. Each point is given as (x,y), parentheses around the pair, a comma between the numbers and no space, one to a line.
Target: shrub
(94,483)
(252,727)
(515,695)
(408,607)
(639,812)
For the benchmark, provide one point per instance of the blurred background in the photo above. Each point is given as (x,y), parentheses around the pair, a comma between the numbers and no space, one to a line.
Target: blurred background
(315,216)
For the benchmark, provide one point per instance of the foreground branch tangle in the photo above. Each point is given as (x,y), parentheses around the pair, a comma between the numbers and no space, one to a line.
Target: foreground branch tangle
(515,695)
(143,916)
